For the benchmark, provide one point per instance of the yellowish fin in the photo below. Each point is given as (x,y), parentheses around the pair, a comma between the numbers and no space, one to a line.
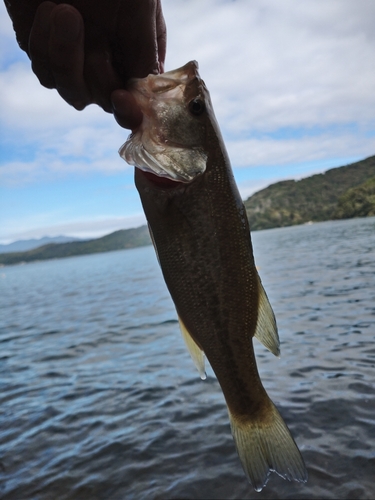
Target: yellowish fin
(195,351)
(266,329)
(268,446)
(153,242)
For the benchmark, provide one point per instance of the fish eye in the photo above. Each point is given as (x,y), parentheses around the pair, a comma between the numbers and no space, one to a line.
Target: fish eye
(196,107)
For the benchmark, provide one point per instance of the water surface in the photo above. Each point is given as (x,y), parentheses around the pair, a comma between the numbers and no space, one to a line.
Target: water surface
(100,399)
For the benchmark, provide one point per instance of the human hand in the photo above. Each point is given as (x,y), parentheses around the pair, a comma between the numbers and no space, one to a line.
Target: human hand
(89,50)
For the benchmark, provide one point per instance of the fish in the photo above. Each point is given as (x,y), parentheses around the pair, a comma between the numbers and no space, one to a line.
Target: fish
(201,235)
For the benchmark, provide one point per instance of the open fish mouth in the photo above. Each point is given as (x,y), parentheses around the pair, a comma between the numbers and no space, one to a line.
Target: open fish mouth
(168,141)
(166,82)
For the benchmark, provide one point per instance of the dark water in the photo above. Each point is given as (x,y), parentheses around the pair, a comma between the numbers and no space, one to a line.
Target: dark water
(100,399)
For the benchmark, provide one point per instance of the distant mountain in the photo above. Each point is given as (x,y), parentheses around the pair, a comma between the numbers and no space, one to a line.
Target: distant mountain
(316,198)
(119,240)
(342,192)
(24,245)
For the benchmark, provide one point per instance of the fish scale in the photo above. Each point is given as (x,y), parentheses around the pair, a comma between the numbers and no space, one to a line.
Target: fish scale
(202,238)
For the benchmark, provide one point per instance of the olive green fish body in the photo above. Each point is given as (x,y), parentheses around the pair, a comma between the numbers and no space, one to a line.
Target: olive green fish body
(201,235)
(203,244)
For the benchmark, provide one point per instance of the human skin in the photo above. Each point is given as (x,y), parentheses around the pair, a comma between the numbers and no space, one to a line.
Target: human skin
(88,50)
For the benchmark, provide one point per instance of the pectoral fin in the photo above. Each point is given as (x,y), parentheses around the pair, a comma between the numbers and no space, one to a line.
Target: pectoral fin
(266,329)
(153,242)
(195,351)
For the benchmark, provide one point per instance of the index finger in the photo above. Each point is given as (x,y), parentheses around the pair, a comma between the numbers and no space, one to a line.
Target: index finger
(136,49)
(38,44)
(126,110)
(161,36)
(66,54)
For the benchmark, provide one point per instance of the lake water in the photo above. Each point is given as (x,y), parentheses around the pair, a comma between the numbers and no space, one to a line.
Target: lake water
(100,399)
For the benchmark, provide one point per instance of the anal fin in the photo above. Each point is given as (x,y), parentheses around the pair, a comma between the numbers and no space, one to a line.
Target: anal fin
(266,329)
(195,351)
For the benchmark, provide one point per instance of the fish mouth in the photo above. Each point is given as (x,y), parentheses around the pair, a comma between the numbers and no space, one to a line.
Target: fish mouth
(163,145)
(187,71)
(165,82)
(174,78)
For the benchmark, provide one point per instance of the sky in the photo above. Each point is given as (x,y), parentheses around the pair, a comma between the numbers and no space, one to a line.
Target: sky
(293,88)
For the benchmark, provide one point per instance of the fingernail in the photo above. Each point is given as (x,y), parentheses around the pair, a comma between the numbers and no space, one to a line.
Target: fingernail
(67,25)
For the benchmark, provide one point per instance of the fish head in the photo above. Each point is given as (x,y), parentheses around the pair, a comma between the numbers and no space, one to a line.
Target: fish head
(171,141)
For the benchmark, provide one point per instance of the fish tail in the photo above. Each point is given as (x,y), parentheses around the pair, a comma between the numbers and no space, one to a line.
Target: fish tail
(266,447)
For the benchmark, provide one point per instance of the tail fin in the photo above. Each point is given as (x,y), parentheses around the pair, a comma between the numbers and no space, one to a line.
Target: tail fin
(268,447)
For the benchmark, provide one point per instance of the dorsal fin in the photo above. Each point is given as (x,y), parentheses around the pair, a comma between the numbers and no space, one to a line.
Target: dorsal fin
(266,329)
(195,351)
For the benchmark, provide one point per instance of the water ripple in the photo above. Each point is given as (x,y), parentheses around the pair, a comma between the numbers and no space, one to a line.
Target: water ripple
(99,398)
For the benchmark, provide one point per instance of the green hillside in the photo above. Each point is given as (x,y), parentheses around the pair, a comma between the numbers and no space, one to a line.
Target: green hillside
(119,240)
(339,193)
(314,198)
(357,202)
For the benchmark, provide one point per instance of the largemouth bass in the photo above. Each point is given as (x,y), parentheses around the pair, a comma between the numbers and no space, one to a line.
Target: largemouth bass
(202,239)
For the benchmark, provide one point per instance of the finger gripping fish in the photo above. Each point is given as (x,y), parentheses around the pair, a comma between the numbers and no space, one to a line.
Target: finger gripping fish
(202,239)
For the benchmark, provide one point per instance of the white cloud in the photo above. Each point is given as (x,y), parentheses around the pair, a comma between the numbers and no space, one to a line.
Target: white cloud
(270,65)
(257,152)
(60,140)
(21,172)
(89,228)
(292,83)
(29,107)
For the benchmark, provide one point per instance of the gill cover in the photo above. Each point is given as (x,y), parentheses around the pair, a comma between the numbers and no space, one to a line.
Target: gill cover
(170,140)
